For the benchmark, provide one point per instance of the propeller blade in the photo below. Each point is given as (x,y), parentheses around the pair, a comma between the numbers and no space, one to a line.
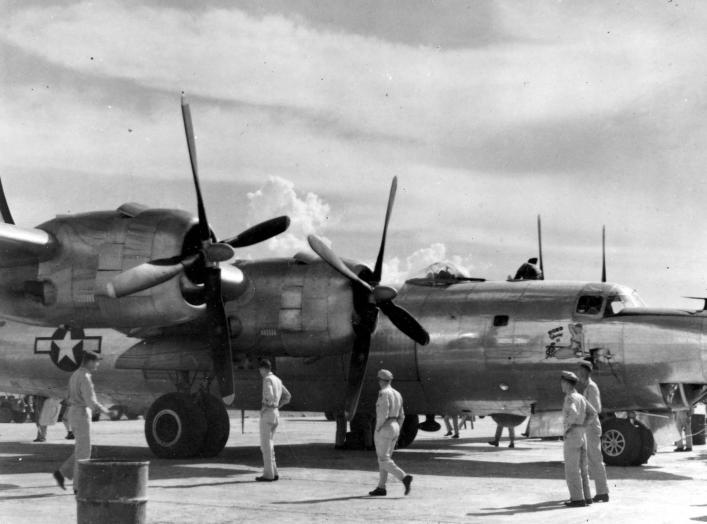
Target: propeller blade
(205,233)
(540,250)
(219,334)
(219,252)
(357,372)
(260,232)
(603,253)
(405,322)
(378,269)
(331,258)
(147,275)
(4,208)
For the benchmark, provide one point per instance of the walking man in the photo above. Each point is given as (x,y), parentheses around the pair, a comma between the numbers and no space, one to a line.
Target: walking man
(592,431)
(82,400)
(389,418)
(275,395)
(575,446)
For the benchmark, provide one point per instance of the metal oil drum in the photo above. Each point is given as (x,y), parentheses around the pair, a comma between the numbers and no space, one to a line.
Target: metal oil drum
(112,491)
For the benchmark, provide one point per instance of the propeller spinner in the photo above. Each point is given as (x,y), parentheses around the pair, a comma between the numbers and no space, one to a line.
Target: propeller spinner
(377,298)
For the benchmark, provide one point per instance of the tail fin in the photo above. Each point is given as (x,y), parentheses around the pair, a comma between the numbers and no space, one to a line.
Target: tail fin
(4,208)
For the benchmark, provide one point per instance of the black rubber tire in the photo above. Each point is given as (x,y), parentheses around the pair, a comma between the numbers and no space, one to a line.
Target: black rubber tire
(175,426)
(5,415)
(19,417)
(115,412)
(697,423)
(329,415)
(648,447)
(218,426)
(621,442)
(408,431)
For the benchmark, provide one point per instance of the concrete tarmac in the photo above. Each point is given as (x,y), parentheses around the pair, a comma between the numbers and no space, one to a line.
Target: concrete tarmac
(463,480)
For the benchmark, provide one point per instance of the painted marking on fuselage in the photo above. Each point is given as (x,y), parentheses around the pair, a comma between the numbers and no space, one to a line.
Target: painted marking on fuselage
(66,346)
(575,348)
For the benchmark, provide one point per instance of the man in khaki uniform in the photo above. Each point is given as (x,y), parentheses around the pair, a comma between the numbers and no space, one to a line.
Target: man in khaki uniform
(275,395)
(575,447)
(389,418)
(82,400)
(592,432)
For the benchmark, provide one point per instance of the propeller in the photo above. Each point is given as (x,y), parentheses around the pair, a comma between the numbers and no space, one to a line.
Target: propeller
(369,298)
(540,250)
(202,264)
(603,253)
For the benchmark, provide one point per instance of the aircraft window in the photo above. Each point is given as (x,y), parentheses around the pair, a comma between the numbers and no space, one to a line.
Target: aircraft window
(500,320)
(589,304)
(614,306)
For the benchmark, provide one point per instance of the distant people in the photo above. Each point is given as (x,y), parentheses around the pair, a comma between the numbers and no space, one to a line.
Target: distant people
(82,400)
(37,405)
(64,417)
(529,271)
(389,418)
(453,424)
(683,421)
(574,411)
(499,431)
(275,395)
(592,432)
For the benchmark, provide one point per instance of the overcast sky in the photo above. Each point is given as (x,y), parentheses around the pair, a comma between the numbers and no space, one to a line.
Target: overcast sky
(489,113)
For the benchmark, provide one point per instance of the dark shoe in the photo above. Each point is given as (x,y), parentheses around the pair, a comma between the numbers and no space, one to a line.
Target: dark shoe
(265,479)
(688,449)
(276,477)
(378,492)
(587,502)
(575,503)
(448,433)
(604,497)
(493,442)
(39,439)
(676,449)
(59,479)
(70,435)
(456,435)
(407,480)
(511,445)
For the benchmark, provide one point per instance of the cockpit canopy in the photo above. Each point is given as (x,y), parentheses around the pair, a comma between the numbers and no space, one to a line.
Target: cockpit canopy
(441,273)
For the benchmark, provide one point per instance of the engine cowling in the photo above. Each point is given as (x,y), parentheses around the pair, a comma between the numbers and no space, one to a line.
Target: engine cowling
(70,288)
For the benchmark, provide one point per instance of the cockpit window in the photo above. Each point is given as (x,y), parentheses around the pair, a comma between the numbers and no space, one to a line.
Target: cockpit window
(590,304)
(440,274)
(617,303)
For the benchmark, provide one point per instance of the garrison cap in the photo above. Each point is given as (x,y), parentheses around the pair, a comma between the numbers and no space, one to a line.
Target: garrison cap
(587,365)
(384,374)
(570,377)
(90,355)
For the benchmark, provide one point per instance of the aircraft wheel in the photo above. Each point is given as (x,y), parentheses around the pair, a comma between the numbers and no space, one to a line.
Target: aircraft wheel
(621,442)
(175,426)
(648,446)
(218,426)
(507,420)
(5,415)
(115,412)
(329,415)
(408,431)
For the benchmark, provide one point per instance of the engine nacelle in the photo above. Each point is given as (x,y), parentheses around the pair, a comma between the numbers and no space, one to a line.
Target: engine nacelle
(70,288)
(292,309)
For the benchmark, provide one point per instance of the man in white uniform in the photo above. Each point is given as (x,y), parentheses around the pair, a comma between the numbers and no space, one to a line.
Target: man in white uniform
(389,418)
(275,395)
(82,400)
(575,447)
(593,433)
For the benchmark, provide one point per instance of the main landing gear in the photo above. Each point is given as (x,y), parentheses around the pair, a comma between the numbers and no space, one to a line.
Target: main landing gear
(182,425)
(626,442)
(363,427)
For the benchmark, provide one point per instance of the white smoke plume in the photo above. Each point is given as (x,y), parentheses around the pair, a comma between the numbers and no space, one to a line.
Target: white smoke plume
(308,214)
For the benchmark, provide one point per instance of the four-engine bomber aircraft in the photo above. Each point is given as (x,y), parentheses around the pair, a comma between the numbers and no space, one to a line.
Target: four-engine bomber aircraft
(178,326)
